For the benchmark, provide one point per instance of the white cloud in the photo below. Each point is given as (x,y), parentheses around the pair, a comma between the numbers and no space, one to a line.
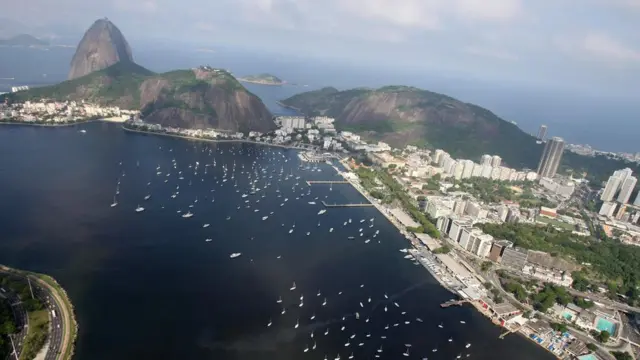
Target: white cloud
(144,6)
(607,48)
(404,13)
(489,9)
(490,52)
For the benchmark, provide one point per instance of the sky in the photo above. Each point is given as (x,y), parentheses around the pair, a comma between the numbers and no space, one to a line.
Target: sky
(590,45)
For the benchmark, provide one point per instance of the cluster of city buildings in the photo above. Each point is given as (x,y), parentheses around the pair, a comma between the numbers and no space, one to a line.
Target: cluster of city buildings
(59,112)
(616,212)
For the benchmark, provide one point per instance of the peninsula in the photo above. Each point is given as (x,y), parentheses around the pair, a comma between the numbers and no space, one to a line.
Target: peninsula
(104,74)
(23,40)
(262,79)
(405,115)
(48,327)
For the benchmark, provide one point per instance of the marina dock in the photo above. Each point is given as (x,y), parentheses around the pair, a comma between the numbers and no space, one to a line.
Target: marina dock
(347,205)
(311,182)
(509,331)
(453,303)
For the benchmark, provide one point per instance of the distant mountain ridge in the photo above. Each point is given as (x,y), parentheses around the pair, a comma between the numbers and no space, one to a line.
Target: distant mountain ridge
(402,115)
(23,40)
(194,98)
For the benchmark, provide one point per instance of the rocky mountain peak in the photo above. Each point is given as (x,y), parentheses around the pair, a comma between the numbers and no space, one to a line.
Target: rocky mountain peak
(101,46)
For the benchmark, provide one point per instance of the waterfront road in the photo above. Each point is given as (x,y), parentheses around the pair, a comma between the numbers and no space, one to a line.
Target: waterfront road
(60,323)
(56,327)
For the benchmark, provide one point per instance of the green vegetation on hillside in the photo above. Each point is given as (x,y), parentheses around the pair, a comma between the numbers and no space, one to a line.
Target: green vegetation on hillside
(120,85)
(608,260)
(462,129)
(106,86)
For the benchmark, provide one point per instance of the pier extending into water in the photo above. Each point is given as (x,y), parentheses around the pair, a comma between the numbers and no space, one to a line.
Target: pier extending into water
(509,331)
(453,303)
(311,182)
(347,205)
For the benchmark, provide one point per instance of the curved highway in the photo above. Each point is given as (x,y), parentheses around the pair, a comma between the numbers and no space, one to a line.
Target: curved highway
(60,320)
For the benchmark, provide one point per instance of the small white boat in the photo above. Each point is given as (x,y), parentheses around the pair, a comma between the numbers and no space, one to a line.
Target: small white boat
(293,287)
(187,215)
(322,211)
(467,346)
(265,218)
(208,240)
(147,197)
(235,255)
(139,209)
(206,225)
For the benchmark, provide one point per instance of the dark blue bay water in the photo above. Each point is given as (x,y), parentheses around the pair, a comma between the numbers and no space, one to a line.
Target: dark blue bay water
(148,286)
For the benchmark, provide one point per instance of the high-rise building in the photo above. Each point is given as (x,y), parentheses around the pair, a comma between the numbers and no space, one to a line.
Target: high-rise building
(551,156)
(496,161)
(607,209)
(542,133)
(626,189)
(467,169)
(619,180)
(610,189)
(485,159)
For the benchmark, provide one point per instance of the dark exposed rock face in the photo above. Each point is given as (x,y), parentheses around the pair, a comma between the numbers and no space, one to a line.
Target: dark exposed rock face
(101,46)
(200,99)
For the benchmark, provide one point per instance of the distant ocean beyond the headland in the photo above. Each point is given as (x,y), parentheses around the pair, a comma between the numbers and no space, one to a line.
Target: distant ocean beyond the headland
(604,123)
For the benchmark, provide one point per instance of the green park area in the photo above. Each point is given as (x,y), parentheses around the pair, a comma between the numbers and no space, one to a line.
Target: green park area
(554,222)
(381,185)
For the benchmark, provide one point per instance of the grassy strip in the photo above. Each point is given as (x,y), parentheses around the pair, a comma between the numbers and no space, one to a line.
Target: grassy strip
(36,335)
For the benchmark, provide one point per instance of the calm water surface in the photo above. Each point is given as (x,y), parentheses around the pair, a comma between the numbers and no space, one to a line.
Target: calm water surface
(149,286)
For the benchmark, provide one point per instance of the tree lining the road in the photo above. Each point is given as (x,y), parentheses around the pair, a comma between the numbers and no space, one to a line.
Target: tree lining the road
(7,327)
(394,192)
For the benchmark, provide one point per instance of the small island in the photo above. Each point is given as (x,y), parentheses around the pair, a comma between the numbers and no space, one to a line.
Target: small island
(262,79)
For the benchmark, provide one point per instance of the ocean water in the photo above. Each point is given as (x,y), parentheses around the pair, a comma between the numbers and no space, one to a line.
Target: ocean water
(148,285)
